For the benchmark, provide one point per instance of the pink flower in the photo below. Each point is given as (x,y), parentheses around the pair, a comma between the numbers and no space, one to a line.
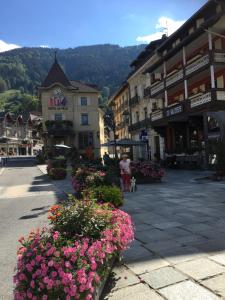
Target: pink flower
(56,235)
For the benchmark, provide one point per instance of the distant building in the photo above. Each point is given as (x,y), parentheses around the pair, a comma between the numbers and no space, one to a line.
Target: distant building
(71,114)
(19,136)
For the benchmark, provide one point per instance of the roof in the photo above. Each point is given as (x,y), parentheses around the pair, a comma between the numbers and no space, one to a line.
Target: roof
(84,87)
(56,74)
(148,52)
(123,86)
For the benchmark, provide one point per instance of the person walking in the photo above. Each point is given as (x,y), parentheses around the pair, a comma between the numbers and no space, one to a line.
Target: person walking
(125,172)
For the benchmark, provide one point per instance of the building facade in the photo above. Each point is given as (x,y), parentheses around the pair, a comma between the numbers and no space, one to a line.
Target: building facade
(177,89)
(17,136)
(191,85)
(70,112)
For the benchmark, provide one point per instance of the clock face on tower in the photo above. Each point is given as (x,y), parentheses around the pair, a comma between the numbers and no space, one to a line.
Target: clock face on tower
(57,99)
(58,92)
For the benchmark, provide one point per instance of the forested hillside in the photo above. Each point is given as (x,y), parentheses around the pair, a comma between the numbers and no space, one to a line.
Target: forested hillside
(104,65)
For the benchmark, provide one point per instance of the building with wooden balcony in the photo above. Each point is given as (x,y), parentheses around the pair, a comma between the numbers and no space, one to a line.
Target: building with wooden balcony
(71,114)
(19,136)
(142,106)
(189,80)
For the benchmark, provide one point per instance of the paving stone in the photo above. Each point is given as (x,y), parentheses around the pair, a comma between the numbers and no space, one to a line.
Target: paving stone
(136,292)
(200,268)
(219,258)
(152,235)
(137,253)
(162,245)
(181,254)
(187,290)
(166,225)
(143,266)
(162,277)
(191,239)
(216,284)
(123,277)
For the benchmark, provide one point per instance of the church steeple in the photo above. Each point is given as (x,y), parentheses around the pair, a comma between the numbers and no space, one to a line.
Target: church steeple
(55,74)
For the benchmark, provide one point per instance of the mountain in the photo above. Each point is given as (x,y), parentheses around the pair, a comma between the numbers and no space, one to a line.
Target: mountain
(107,66)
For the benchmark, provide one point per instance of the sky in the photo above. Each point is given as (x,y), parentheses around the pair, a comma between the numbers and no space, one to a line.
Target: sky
(72,23)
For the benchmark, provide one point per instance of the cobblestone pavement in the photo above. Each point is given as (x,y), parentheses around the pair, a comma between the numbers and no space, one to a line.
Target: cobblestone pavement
(179,247)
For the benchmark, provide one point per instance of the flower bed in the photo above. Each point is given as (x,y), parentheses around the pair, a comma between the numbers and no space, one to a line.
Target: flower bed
(71,258)
(57,173)
(146,172)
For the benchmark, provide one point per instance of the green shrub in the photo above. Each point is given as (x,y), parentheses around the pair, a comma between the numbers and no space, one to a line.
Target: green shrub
(109,194)
(57,173)
(83,218)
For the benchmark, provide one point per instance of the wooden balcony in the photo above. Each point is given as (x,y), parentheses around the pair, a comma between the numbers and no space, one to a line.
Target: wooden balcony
(156,115)
(59,128)
(202,99)
(134,100)
(197,64)
(139,125)
(157,87)
(174,78)
(219,57)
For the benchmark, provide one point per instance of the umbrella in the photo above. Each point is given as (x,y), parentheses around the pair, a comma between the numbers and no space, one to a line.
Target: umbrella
(62,146)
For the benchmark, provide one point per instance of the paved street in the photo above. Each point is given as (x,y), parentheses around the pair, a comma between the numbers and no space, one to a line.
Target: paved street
(179,251)
(25,197)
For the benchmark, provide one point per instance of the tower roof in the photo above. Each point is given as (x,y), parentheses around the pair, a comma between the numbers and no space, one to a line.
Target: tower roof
(55,74)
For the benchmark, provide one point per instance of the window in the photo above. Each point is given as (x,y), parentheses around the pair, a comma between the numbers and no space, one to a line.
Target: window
(137,116)
(135,90)
(83,101)
(146,112)
(85,140)
(58,117)
(84,119)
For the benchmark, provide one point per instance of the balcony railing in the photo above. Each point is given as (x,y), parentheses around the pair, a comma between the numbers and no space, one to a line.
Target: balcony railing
(175,77)
(139,125)
(219,57)
(134,100)
(220,95)
(156,115)
(199,63)
(199,100)
(59,128)
(156,88)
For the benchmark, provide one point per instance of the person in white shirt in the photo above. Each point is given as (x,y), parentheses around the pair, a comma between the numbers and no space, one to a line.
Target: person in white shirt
(125,172)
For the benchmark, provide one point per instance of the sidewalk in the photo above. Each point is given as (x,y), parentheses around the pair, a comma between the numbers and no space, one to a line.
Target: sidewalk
(63,185)
(179,247)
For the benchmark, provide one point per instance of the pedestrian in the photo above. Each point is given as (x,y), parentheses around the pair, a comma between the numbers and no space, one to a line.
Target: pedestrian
(125,172)
(106,158)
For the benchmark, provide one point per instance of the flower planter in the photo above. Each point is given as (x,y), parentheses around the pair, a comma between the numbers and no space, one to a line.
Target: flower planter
(100,288)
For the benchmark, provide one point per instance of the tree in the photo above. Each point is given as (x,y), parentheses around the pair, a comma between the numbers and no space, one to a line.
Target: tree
(3,85)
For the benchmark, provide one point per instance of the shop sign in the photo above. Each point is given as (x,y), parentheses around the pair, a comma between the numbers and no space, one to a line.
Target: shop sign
(143,135)
(174,111)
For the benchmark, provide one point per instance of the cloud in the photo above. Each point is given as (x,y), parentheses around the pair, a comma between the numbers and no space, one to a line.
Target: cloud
(44,46)
(6,47)
(164,25)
